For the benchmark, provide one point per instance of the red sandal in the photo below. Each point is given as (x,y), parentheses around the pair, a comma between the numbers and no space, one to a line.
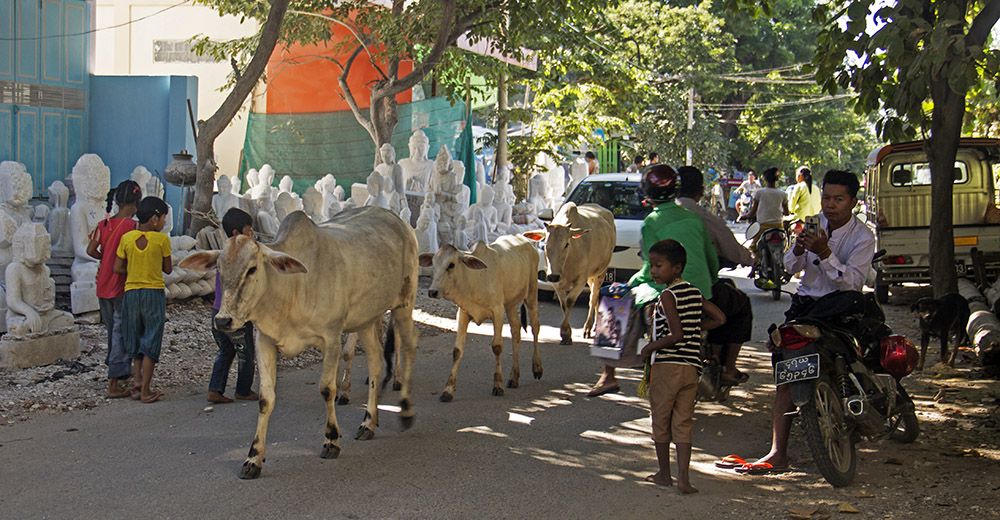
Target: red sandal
(730,461)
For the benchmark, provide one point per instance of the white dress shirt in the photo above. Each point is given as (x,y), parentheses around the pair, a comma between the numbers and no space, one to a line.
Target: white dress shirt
(852,247)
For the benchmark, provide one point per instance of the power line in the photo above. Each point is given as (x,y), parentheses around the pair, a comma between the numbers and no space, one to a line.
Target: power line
(91,31)
(714,107)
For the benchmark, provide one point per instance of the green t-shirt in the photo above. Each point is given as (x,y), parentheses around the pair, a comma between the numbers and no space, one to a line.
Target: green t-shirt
(670,221)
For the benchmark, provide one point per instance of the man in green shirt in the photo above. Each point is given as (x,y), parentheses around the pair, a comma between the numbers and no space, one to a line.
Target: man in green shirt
(667,220)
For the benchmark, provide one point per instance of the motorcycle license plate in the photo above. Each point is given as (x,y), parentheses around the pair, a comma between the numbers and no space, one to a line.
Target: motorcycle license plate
(796,369)
(609,276)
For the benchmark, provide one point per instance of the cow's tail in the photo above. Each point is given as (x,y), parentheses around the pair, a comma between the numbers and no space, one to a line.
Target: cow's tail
(524,317)
(389,352)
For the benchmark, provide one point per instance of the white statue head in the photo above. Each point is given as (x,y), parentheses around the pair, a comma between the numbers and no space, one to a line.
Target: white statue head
(285,184)
(253,177)
(486,196)
(338,192)
(538,186)
(91,178)
(151,185)
(15,183)
(58,194)
(225,185)
(31,244)
(266,175)
(459,168)
(387,154)
(442,163)
(312,201)
(419,145)
(374,185)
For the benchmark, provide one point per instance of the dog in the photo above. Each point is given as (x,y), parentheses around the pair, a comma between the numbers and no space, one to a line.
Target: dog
(942,318)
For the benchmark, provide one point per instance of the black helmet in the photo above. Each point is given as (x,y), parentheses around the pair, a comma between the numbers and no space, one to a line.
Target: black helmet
(659,183)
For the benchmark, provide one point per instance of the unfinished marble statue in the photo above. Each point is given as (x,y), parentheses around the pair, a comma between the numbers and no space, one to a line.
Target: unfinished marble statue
(15,191)
(30,291)
(262,195)
(464,193)
(555,175)
(538,192)
(525,218)
(91,182)
(378,195)
(427,229)
(503,199)
(285,205)
(447,192)
(393,172)
(333,196)
(312,204)
(58,220)
(417,168)
(225,199)
(286,185)
(152,187)
(577,172)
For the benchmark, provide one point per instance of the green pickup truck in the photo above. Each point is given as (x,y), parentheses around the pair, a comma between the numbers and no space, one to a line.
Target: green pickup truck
(898,207)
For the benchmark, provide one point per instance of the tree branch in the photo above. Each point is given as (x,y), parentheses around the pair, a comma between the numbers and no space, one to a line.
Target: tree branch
(983,23)
(349,96)
(445,38)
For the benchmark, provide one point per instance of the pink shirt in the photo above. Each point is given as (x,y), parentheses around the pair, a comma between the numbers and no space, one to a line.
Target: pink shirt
(109,233)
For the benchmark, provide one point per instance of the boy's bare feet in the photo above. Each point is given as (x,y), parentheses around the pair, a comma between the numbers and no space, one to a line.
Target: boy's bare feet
(216,397)
(686,488)
(252,396)
(152,397)
(660,480)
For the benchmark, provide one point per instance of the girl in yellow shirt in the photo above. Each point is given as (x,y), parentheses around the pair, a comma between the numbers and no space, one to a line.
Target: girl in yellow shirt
(143,256)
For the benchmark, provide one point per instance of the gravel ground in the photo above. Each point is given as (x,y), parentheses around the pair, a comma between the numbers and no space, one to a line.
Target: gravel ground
(185,365)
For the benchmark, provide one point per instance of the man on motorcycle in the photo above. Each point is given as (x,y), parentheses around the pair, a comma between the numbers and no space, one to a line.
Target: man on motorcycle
(732,301)
(836,259)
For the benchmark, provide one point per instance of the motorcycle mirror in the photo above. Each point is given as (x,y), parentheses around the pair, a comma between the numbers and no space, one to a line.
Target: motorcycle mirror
(752,230)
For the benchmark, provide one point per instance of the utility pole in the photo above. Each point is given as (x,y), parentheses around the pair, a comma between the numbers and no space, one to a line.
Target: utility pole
(689,155)
(500,157)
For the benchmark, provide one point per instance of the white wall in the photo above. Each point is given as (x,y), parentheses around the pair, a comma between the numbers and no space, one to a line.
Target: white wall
(129,50)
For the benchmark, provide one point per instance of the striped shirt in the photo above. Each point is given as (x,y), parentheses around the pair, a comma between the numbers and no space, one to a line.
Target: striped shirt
(688,350)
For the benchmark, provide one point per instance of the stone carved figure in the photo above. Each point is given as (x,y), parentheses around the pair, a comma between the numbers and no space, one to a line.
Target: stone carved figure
(389,169)
(91,181)
(58,222)
(503,198)
(417,168)
(30,291)
(377,192)
(312,204)
(577,171)
(446,188)
(225,198)
(285,205)
(262,194)
(427,229)
(15,191)
(538,192)
(464,193)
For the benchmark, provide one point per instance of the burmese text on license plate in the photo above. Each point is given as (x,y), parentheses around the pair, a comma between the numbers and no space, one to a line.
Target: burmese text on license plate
(796,369)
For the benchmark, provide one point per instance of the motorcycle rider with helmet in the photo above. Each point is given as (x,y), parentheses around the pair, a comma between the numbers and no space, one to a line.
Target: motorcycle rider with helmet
(667,220)
(836,259)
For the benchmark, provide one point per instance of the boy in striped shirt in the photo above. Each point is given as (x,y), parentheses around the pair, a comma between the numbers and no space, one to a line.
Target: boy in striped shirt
(679,316)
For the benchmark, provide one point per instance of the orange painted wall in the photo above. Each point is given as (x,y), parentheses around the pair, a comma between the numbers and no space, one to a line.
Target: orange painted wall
(300,81)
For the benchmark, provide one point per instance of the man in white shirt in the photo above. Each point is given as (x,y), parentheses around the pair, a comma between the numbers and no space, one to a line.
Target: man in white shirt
(836,260)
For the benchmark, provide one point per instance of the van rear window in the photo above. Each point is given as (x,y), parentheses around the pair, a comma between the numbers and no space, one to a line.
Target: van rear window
(919,174)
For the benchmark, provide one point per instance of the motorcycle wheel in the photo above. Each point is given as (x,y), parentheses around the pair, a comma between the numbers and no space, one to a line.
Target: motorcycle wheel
(907,430)
(828,436)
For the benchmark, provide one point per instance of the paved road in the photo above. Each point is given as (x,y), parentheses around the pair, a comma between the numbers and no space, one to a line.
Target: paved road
(543,450)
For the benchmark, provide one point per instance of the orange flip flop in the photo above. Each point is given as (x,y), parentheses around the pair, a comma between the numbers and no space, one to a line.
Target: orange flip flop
(730,461)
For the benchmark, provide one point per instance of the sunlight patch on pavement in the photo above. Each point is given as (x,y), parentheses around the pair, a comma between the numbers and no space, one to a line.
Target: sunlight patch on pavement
(520,419)
(483,430)
(547,333)
(389,408)
(612,476)
(549,456)
(623,437)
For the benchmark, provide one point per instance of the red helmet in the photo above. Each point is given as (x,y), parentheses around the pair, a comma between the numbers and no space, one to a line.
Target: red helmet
(899,356)
(659,183)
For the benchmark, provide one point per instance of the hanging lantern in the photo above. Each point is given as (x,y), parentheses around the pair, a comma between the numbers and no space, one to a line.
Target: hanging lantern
(182,171)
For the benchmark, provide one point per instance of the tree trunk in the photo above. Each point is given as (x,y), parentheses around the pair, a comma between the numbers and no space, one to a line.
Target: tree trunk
(210,129)
(942,147)
(384,117)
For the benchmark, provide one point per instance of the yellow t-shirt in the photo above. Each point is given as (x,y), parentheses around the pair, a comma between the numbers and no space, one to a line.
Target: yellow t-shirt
(145,266)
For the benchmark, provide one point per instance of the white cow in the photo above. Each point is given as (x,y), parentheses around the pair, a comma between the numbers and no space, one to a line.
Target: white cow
(486,283)
(578,246)
(307,288)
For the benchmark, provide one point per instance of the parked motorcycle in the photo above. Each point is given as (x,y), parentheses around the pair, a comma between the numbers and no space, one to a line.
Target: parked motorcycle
(769,265)
(711,387)
(844,372)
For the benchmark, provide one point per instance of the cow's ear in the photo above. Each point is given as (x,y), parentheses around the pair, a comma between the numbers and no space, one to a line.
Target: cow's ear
(285,264)
(472,262)
(201,261)
(426,260)
(579,232)
(537,235)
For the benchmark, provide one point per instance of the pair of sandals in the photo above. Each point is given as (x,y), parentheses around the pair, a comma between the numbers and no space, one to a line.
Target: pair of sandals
(741,466)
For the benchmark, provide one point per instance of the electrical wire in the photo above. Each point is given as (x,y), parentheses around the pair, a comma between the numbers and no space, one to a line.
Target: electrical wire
(714,107)
(91,31)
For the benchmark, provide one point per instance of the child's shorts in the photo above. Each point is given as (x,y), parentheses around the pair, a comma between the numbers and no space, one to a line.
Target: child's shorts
(144,312)
(672,391)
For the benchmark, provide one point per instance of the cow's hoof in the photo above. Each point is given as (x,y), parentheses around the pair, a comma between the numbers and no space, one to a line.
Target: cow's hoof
(497,391)
(587,334)
(364,434)
(537,373)
(446,397)
(566,341)
(397,386)
(249,471)
(406,421)
(330,451)
(511,383)
(343,399)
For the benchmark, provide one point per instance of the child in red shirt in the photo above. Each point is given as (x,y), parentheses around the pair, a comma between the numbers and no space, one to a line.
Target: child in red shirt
(111,285)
